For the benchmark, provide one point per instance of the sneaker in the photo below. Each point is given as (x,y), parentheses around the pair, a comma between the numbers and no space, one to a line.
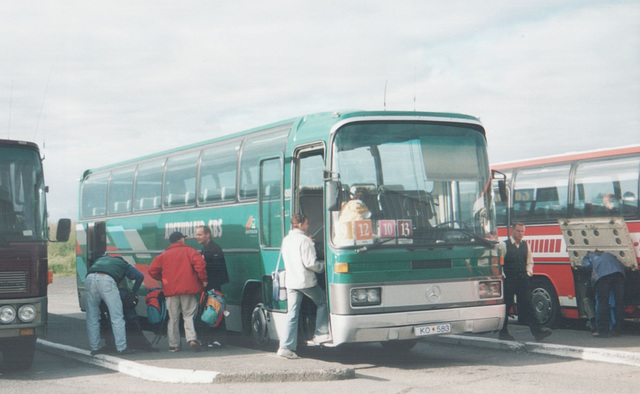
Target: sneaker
(542,334)
(214,345)
(601,335)
(195,346)
(174,349)
(322,338)
(99,351)
(319,339)
(505,336)
(591,325)
(125,352)
(286,353)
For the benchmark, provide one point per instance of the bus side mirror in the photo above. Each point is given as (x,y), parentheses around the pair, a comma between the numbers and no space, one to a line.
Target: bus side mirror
(502,184)
(502,189)
(332,195)
(63,230)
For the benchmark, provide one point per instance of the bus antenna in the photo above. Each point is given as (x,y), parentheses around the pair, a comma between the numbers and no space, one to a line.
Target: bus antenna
(10,104)
(384,104)
(414,89)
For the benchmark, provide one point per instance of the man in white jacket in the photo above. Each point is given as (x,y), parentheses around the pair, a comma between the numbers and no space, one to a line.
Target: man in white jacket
(301,265)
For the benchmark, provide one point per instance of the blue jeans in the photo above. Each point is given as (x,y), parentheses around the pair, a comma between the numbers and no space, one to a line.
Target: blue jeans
(100,287)
(294,300)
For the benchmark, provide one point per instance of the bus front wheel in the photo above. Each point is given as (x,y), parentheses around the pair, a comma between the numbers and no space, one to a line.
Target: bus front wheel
(19,354)
(259,329)
(545,303)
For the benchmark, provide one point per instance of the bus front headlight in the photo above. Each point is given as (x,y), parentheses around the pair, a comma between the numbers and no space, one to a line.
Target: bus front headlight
(27,313)
(366,297)
(490,289)
(7,314)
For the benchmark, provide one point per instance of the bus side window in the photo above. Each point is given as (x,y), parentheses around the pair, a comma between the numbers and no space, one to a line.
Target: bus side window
(248,190)
(211,195)
(522,203)
(310,200)
(218,170)
(579,205)
(252,150)
(602,185)
(94,195)
(148,185)
(629,203)
(542,193)
(180,180)
(547,203)
(121,190)
(310,165)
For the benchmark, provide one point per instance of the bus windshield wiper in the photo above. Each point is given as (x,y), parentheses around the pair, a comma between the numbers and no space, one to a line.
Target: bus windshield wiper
(373,246)
(486,242)
(435,242)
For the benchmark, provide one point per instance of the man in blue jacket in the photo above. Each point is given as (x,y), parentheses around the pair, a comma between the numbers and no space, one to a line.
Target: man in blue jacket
(101,284)
(607,275)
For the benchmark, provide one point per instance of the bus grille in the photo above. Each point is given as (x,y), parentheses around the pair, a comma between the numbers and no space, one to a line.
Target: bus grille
(13,282)
(430,264)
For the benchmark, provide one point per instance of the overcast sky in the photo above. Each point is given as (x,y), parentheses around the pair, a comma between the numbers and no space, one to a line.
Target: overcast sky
(97,82)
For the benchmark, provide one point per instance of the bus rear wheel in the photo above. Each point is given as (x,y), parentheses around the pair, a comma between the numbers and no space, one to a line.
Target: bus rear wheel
(545,303)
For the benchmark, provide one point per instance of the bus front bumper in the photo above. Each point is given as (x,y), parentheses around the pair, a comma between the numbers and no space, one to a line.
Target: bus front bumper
(406,325)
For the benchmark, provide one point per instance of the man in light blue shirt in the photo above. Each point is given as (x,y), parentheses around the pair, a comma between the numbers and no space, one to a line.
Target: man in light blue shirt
(301,265)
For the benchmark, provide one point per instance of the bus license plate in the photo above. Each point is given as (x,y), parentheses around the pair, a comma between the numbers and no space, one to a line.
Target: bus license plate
(432,329)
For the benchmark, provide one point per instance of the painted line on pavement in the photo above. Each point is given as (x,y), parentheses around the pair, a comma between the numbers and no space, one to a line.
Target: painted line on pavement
(582,353)
(156,374)
(173,375)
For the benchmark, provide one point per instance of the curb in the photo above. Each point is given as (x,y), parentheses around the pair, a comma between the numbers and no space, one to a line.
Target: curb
(173,375)
(581,353)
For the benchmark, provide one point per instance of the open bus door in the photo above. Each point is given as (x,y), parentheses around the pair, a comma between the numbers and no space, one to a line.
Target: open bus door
(606,234)
(96,246)
(271,230)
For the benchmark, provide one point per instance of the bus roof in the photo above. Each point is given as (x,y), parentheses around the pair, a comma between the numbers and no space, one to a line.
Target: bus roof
(324,118)
(568,157)
(27,144)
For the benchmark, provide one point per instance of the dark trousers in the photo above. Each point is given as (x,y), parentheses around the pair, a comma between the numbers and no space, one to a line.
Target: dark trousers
(604,286)
(520,287)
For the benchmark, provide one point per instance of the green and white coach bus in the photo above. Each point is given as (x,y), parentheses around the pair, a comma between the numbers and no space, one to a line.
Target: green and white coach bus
(423,262)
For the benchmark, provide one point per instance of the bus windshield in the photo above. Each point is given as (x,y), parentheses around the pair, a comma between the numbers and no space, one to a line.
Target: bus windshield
(421,183)
(22,191)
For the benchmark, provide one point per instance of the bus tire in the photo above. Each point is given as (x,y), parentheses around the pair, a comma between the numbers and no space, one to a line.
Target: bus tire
(545,303)
(251,300)
(259,326)
(399,346)
(19,354)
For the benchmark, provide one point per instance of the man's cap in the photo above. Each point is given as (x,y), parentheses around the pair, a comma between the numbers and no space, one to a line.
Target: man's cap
(176,236)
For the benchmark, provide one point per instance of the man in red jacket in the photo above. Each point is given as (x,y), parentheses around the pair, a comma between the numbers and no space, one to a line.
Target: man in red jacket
(183,273)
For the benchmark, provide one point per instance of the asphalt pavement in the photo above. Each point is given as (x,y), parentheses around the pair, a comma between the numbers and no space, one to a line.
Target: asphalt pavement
(239,362)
